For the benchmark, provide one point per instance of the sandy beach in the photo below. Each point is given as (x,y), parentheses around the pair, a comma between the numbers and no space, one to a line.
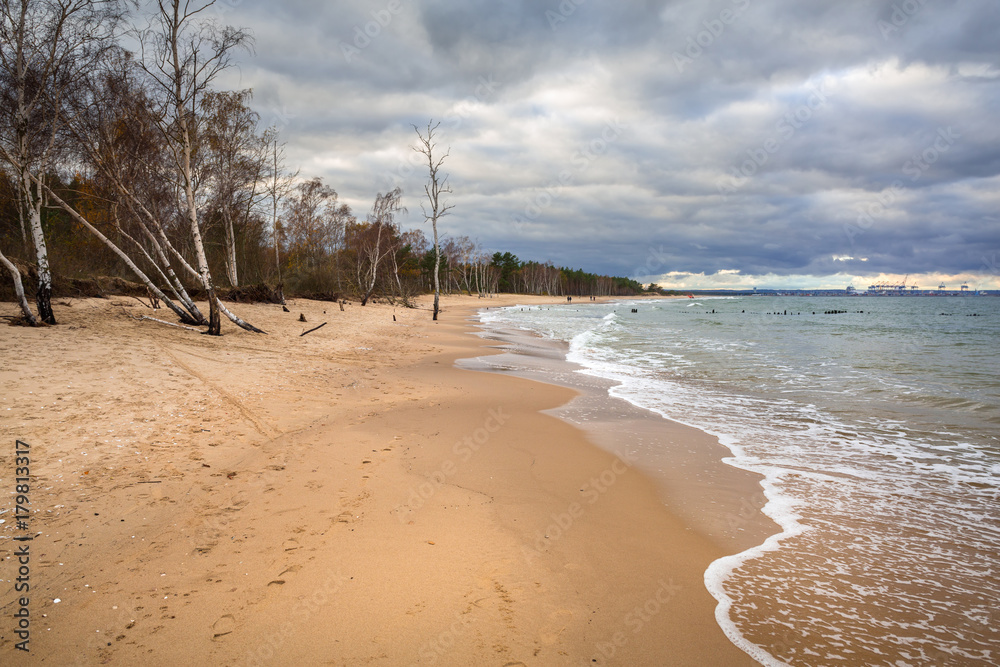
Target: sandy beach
(341,498)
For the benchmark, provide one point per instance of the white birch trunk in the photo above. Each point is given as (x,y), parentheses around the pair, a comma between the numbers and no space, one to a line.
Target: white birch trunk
(19,290)
(227,220)
(235,319)
(171,279)
(121,254)
(214,324)
(43,293)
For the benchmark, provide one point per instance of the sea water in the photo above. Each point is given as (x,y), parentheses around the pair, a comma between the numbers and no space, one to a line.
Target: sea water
(875,423)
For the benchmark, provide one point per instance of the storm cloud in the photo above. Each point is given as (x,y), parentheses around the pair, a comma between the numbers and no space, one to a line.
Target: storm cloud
(692,143)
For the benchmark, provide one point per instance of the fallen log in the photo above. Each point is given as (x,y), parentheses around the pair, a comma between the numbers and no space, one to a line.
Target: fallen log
(311,330)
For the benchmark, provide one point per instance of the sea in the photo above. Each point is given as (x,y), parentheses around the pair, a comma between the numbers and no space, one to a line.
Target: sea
(874,424)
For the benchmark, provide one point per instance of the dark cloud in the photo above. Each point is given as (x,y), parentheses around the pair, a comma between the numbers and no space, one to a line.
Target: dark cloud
(765,137)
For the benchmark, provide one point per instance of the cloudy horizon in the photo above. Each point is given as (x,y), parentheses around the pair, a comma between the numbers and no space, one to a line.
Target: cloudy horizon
(732,143)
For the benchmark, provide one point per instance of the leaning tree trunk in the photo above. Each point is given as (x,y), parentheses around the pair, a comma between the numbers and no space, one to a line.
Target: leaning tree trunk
(158,242)
(235,319)
(184,316)
(170,276)
(19,290)
(214,323)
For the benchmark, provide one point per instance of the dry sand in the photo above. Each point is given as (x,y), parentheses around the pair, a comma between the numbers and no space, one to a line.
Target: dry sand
(343,498)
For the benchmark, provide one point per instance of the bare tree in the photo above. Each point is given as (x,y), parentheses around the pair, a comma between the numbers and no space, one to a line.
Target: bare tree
(313,226)
(306,224)
(487,275)
(378,240)
(46,47)
(77,217)
(437,186)
(238,159)
(278,187)
(465,250)
(181,54)
(114,133)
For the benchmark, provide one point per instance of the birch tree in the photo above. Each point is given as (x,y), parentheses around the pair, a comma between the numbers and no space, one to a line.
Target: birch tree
(378,241)
(307,224)
(465,249)
(114,133)
(314,225)
(239,160)
(46,47)
(435,189)
(279,185)
(181,54)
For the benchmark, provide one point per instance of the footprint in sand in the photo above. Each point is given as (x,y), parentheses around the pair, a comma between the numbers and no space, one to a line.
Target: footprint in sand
(291,569)
(223,627)
(205,548)
(558,622)
(291,544)
(238,502)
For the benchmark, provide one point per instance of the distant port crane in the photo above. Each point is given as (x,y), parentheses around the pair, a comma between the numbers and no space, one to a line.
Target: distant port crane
(887,287)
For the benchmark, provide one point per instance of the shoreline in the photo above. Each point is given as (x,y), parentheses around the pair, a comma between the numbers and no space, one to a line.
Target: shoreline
(269,514)
(721,501)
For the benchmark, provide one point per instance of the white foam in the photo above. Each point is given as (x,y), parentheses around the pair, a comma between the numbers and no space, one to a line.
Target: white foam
(936,488)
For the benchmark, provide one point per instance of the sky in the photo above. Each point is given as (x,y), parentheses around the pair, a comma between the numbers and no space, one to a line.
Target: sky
(697,144)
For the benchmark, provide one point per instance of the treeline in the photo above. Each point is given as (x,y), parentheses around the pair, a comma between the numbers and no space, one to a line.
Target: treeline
(131,164)
(512,275)
(323,251)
